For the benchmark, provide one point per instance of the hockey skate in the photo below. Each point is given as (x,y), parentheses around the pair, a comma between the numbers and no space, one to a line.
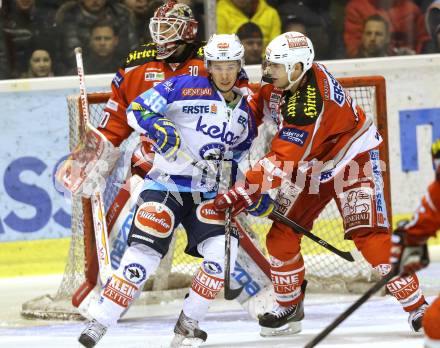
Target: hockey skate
(283,320)
(416,316)
(92,334)
(187,333)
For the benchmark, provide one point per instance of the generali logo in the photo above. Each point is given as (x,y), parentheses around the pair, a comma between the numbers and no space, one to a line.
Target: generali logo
(192,92)
(155,219)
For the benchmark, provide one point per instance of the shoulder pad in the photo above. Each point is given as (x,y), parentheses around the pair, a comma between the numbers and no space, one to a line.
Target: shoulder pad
(142,54)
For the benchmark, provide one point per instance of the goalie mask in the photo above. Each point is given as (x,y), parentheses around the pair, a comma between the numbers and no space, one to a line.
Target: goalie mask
(289,49)
(172,25)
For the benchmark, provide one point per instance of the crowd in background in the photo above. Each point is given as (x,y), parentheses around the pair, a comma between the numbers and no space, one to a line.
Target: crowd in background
(37,37)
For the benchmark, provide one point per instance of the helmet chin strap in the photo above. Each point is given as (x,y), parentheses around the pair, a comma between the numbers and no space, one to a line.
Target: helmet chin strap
(292,83)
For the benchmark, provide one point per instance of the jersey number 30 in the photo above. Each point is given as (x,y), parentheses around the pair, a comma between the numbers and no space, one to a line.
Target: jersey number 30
(193,70)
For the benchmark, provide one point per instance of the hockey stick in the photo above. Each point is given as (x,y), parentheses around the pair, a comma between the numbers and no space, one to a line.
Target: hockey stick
(276,215)
(370,292)
(100,225)
(230,294)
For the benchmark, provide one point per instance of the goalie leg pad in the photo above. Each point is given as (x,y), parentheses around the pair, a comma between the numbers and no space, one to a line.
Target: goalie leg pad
(137,264)
(209,278)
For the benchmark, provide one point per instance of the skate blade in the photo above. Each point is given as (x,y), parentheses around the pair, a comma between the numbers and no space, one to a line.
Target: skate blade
(180,341)
(287,329)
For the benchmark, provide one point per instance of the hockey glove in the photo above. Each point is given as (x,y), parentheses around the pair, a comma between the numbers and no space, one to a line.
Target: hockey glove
(164,133)
(238,198)
(262,207)
(408,254)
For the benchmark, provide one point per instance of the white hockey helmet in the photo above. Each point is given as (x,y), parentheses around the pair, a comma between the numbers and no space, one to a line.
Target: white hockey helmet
(222,47)
(171,24)
(291,48)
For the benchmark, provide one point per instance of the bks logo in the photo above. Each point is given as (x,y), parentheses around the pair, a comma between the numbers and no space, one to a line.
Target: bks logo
(135,273)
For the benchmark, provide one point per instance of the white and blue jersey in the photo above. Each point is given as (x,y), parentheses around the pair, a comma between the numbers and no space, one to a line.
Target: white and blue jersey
(207,126)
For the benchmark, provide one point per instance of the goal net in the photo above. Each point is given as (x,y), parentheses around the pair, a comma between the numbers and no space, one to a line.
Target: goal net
(324,270)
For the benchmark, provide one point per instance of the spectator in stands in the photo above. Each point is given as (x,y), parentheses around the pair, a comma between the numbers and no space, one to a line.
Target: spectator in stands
(407,25)
(39,64)
(251,37)
(99,58)
(143,10)
(232,14)
(4,63)
(316,23)
(375,38)
(292,23)
(433,25)
(24,22)
(75,18)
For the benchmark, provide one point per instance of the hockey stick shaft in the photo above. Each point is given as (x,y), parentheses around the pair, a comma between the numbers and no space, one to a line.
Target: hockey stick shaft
(364,298)
(230,294)
(98,212)
(276,215)
(226,176)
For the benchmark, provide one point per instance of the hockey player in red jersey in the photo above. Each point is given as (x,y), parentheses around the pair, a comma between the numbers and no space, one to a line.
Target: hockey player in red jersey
(326,148)
(409,252)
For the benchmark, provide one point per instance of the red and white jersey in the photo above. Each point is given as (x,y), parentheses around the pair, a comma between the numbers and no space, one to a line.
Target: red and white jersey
(426,220)
(319,126)
(142,71)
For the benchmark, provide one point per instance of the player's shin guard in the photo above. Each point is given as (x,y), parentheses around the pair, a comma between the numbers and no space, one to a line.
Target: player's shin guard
(407,291)
(287,278)
(137,264)
(289,285)
(209,277)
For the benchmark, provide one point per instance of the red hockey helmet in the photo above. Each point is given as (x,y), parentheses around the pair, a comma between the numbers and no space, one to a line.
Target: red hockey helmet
(171,24)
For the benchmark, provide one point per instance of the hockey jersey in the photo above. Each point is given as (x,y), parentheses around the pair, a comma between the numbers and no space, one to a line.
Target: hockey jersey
(426,220)
(207,126)
(141,71)
(319,126)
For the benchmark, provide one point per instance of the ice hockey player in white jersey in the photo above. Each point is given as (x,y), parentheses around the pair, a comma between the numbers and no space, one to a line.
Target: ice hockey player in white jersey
(194,121)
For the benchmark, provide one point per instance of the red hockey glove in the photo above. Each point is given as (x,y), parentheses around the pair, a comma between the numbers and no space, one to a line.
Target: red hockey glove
(238,198)
(408,254)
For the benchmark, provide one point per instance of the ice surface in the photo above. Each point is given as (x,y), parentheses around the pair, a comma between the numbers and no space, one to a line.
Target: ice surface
(379,323)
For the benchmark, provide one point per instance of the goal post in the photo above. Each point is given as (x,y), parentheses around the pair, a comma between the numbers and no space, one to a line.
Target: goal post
(325,270)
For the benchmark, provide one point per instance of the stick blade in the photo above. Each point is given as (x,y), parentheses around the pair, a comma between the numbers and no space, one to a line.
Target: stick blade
(232,294)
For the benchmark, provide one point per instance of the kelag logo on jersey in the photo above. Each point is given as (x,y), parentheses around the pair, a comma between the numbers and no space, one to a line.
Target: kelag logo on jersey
(217,132)
(294,135)
(199,109)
